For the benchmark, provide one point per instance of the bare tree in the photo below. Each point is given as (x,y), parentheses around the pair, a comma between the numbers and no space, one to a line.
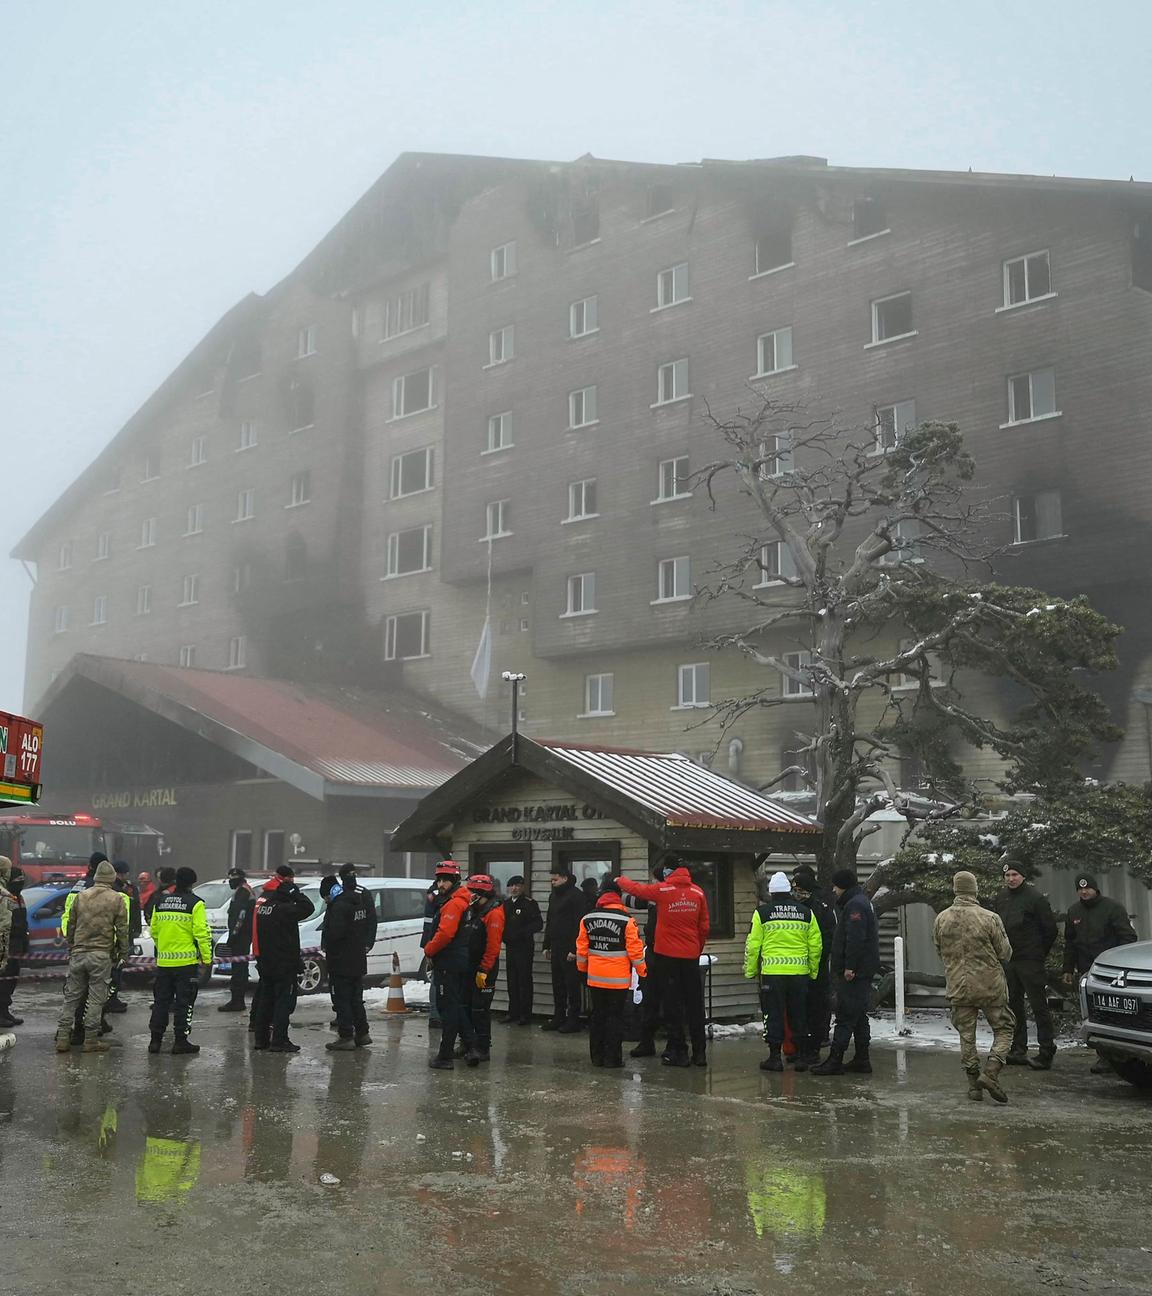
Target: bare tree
(874,598)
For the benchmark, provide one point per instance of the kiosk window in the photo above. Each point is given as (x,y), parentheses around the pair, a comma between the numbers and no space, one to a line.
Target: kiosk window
(595,860)
(500,863)
(714,878)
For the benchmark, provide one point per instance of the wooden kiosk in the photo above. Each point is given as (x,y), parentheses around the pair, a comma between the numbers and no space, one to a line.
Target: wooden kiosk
(529,804)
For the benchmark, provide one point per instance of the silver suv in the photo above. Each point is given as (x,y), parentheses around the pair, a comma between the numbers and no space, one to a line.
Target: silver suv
(1116,1004)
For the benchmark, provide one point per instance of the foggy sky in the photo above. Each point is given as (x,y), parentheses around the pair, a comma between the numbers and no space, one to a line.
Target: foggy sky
(162,160)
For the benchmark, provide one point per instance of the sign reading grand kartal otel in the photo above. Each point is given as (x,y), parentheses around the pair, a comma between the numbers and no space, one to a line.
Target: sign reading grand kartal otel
(21,749)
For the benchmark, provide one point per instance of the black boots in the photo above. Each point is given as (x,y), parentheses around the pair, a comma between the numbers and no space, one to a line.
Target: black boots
(114,1004)
(833,1064)
(1043,1060)
(184,1045)
(1017,1057)
(646,1048)
(155,1043)
(773,1062)
(233,1005)
(861,1064)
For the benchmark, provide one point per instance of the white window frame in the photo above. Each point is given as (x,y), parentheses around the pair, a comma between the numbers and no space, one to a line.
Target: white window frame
(393,552)
(578,492)
(784,569)
(198,452)
(580,595)
(903,420)
(299,489)
(1034,499)
(396,472)
(150,474)
(595,689)
(674,575)
(906,534)
(392,635)
(585,398)
(792,688)
(902,683)
(402,310)
(668,474)
(584,316)
(194,520)
(245,504)
(143,600)
(1029,297)
(496,520)
(305,341)
(100,610)
(64,558)
(780,348)
(147,533)
(692,680)
(777,449)
(502,262)
(1032,416)
(877,304)
(760,271)
(61,619)
(673,382)
(502,423)
(237,652)
(248,435)
(187,656)
(190,590)
(501,346)
(104,546)
(672,286)
(399,391)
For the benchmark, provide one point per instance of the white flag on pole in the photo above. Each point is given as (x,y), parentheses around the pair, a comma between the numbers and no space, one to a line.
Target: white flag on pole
(482,662)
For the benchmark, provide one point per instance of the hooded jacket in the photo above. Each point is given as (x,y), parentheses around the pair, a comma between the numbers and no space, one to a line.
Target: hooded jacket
(1028,919)
(276,919)
(784,940)
(856,940)
(1092,927)
(973,946)
(608,946)
(97,921)
(681,913)
(566,906)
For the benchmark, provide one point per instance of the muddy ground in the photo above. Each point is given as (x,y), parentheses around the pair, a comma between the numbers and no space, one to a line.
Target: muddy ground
(131,1174)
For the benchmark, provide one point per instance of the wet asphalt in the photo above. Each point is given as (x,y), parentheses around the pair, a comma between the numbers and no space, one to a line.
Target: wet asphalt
(536,1174)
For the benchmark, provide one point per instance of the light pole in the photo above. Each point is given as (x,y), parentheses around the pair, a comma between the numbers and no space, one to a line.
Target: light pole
(515,678)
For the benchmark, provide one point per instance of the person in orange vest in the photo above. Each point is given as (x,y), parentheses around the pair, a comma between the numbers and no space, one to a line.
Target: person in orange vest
(484,957)
(608,951)
(447,951)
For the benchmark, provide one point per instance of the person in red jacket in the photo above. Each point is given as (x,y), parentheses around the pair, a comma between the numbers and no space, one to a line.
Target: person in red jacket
(447,951)
(681,934)
(484,957)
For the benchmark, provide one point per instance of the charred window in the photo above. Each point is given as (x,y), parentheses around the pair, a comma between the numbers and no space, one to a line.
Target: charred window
(585,221)
(869,216)
(301,405)
(773,248)
(1142,254)
(659,199)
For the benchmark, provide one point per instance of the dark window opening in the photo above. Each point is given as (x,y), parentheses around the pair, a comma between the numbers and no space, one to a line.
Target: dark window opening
(869,216)
(273,849)
(773,248)
(660,199)
(241,850)
(246,357)
(713,874)
(802,765)
(585,221)
(1142,254)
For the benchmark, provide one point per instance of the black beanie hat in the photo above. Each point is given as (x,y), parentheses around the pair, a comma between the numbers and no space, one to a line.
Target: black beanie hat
(97,857)
(609,886)
(185,879)
(348,871)
(1087,880)
(805,876)
(845,878)
(285,872)
(327,884)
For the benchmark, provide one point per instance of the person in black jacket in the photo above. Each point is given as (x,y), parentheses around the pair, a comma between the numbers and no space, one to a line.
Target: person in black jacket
(17,948)
(652,1000)
(522,920)
(854,961)
(276,919)
(565,909)
(806,887)
(349,933)
(123,884)
(1031,926)
(165,882)
(239,939)
(432,901)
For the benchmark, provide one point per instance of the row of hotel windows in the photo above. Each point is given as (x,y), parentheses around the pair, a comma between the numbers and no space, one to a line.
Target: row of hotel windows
(189,597)
(693,686)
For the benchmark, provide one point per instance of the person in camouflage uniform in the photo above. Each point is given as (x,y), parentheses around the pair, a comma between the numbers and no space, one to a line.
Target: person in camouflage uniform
(974,947)
(8,906)
(96,929)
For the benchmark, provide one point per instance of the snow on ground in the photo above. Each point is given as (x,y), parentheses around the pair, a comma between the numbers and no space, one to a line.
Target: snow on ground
(415,994)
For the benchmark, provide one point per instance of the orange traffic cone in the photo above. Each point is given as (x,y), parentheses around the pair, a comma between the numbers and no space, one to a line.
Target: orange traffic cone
(395,1001)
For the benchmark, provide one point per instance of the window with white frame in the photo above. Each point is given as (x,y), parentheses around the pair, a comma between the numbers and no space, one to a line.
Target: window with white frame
(198,452)
(60,621)
(299,489)
(100,609)
(905,536)
(584,317)
(306,341)
(190,590)
(693,685)
(406,311)
(301,406)
(672,285)
(1032,395)
(672,479)
(869,217)
(407,635)
(582,407)
(241,577)
(672,381)
(773,352)
(194,520)
(496,520)
(237,652)
(103,546)
(892,317)
(798,688)
(501,345)
(151,469)
(247,434)
(582,500)
(773,249)
(1037,517)
(246,504)
(412,393)
(892,423)
(932,660)
(187,657)
(410,551)
(776,563)
(598,695)
(143,600)
(147,533)
(1026,278)
(502,262)
(411,473)
(64,557)
(499,435)
(674,579)
(581,591)
(776,456)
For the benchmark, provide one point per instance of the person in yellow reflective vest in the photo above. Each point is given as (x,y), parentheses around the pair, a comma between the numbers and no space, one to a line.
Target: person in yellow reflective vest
(179,926)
